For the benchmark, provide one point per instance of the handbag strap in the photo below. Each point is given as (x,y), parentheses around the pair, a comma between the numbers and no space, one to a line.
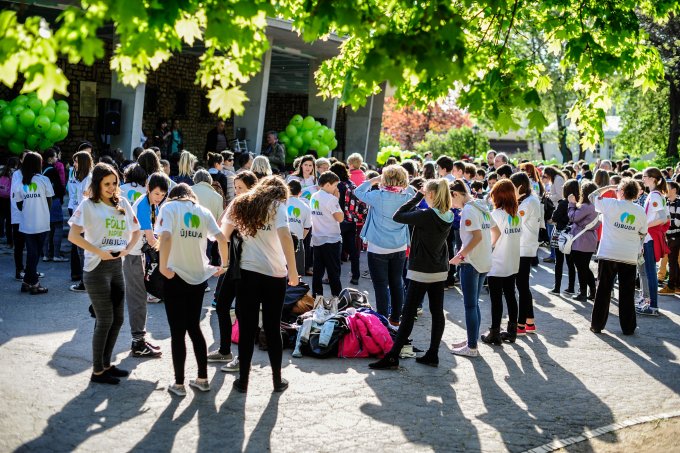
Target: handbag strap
(587,227)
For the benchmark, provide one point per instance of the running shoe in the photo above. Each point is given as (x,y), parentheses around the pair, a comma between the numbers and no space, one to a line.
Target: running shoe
(217,356)
(646,310)
(177,389)
(152,299)
(466,351)
(203,386)
(232,366)
(143,349)
(79,288)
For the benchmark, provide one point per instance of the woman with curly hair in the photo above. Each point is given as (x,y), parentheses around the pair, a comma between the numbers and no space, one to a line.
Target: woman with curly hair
(267,257)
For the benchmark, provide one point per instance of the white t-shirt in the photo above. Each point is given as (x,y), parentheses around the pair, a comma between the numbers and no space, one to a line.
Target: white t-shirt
(655,209)
(35,212)
(299,217)
(263,253)
(474,217)
(623,223)
(190,226)
(79,187)
(308,187)
(325,229)
(132,192)
(14,211)
(530,212)
(505,256)
(105,227)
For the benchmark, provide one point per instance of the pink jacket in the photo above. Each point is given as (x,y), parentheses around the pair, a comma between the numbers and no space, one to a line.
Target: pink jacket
(366,337)
(357,176)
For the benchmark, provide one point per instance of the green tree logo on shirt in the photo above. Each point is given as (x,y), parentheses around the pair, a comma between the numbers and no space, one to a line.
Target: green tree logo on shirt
(133,195)
(513,220)
(315,204)
(293,212)
(486,216)
(32,187)
(627,218)
(191,220)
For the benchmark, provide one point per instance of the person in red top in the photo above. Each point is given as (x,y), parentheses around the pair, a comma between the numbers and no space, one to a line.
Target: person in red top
(356,174)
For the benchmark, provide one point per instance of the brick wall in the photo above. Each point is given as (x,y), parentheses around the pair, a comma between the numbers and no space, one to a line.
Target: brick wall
(281,107)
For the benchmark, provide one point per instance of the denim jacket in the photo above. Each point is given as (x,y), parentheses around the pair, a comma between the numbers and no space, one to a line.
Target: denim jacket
(379,228)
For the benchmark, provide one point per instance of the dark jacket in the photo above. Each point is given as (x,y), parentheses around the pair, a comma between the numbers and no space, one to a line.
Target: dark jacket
(211,142)
(428,253)
(276,155)
(53,175)
(561,215)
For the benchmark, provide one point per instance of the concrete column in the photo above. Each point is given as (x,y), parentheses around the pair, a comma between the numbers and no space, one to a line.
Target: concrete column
(131,115)
(316,105)
(363,128)
(256,106)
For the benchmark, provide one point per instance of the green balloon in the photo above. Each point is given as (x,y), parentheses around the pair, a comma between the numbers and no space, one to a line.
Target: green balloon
(314,144)
(32,141)
(34,104)
(297,120)
(307,137)
(54,132)
(17,109)
(51,104)
(42,123)
(20,134)
(328,135)
(61,117)
(64,133)
(284,139)
(333,144)
(308,122)
(323,150)
(291,151)
(3,104)
(319,131)
(15,146)
(9,124)
(20,100)
(44,144)
(291,131)
(298,142)
(317,125)
(27,117)
(49,112)
(62,105)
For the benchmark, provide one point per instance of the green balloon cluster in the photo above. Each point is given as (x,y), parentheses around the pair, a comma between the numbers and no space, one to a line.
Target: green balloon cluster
(304,134)
(388,151)
(27,123)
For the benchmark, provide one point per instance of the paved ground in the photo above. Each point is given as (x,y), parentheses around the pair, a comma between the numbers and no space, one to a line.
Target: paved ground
(553,385)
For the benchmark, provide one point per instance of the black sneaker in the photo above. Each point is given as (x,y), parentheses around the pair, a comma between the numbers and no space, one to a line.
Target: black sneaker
(144,350)
(79,288)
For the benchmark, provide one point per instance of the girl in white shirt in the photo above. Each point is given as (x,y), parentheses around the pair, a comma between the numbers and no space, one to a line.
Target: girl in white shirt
(110,230)
(184,227)
(306,176)
(530,214)
(78,184)
(266,259)
(33,198)
(505,261)
(474,259)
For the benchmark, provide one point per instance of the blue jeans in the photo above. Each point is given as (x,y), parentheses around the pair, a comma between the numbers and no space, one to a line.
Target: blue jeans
(550,227)
(471,283)
(386,274)
(650,268)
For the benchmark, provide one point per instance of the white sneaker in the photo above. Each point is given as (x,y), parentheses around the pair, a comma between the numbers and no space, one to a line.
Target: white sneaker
(151,299)
(207,289)
(407,352)
(231,367)
(459,344)
(178,390)
(465,351)
(203,386)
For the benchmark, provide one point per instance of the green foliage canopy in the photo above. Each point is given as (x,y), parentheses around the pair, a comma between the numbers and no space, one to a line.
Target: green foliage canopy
(455,143)
(423,48)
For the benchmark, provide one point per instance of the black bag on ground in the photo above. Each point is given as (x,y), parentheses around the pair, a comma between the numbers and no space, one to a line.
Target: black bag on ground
(293,295)
(350,297)
(153,279)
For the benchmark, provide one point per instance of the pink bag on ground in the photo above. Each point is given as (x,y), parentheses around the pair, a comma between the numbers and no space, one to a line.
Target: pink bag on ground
(234,332)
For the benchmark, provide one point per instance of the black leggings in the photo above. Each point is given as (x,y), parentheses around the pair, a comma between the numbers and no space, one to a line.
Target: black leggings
(498,286)
(414,297)
(586,279)
(253,290)
(226,296)
(560,258)
(183,305)
(19,244)
(526,301)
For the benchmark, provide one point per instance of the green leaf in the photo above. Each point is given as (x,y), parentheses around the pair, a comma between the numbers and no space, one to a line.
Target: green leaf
(188,30)
(224,101)
(537,120)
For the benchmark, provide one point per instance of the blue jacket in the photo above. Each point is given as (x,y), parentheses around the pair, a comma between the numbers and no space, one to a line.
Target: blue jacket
(379,228)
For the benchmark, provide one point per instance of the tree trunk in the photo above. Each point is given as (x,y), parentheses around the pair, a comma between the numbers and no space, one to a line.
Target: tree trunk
(562,137)
(674,132)
(540,146)
(581,149)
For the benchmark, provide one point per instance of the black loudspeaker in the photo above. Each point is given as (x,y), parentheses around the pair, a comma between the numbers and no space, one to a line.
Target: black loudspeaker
(240,133)
(108,119)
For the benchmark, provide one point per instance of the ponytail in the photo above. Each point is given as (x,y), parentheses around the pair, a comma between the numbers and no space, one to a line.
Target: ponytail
(442,196)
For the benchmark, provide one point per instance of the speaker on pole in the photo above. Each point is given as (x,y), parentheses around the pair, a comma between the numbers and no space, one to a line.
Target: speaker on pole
(108,116)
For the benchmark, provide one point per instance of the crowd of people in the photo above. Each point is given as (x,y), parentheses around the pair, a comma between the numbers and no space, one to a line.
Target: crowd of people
(425,225)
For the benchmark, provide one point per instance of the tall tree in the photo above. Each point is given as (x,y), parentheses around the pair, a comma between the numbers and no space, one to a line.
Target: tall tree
(423,48)
(409,125)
